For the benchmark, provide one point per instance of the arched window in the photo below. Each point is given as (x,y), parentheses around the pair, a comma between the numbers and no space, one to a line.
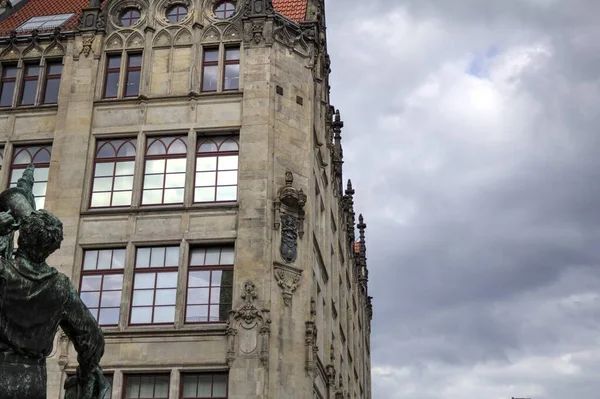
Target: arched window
(176,13)
(225,9)
(130,17)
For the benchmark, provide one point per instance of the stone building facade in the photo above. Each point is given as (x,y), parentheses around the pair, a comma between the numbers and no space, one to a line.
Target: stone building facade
(191,151)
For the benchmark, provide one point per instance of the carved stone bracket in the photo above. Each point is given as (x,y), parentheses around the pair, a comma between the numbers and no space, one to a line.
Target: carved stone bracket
(288,279)
(248,328)
(87,39)
(257,18)
(289,214)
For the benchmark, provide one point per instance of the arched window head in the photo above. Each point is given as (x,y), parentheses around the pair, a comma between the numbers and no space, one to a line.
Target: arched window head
(177,13)
(130,16)
(225,9)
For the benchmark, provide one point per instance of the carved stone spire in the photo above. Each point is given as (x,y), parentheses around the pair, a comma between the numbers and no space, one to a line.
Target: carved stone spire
(348,207)
(337,152)
(362,255)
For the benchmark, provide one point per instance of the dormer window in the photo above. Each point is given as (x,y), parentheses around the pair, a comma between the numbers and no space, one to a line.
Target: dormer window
(44,22)
(225,9)
(177,13)
(130,17)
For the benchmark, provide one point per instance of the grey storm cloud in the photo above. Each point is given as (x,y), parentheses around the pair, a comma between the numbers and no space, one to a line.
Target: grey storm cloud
(472,138)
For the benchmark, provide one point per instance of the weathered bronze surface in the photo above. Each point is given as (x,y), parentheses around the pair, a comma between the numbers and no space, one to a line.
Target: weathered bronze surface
(35,300)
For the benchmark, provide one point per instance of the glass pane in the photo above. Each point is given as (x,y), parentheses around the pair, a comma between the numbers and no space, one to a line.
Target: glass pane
(165,297)
(16,175)
(166,280)
(204,386)
(199,279)
(111,299)
(100,199)
(104,259)
(39,189)
(161,389)
(164,314)
(220,385)
(89,260)
(40,202)
(229,145)
(124,168)
(118,261)
(197,296)
(143,257)
(41,174)
(155,166)
(51,93)
(196,314)
(228,162)
(211,55)
(197,258)
(32,70)
(103,184)
(135,60)
(54,68)
(204,194)
(212,256)
(175,180)
(214,313)
(90,299)
(104,169)
(172,257)
(29,90)
(127,150)
(150,197)
(232,77)
(216,277)
(132,388)
(227,178)
(112,84)
(204,179)
(113,282)
(227,256)
(226,193)
(173,196)
(122,198)
(207,146)
(215,296)
(114,61)
(91,283)
(141,315)
(143,298)
(176,165)
(209,78)
(6,96)
(206,163)
(144,280)
(232,53)
(9,72)
(157,257)
(109,316)
(147,387)
(190,385)
(178,146)
(133,83)
(153,181)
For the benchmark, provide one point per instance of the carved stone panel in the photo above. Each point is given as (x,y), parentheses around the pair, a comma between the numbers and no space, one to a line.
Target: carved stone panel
(288,279)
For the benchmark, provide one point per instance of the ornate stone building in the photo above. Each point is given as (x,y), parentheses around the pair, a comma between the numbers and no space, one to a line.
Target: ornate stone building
(191,151)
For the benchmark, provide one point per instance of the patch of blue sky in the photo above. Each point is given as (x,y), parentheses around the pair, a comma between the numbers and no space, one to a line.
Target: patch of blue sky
(480,63)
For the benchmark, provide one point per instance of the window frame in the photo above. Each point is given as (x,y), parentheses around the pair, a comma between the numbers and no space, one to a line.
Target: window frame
(227,62)
(166,157)
(48,77)
(133,375)
(197,374)
(199,141)
(210,268)
(178,17)
(29,78)
(206,64)
(224,12)
(4,80)
(108,70)
(16,150)
(130,19)
(129,69)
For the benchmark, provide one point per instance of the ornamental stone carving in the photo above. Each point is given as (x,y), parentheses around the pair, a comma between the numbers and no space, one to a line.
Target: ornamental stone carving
(311,341)
(288,279)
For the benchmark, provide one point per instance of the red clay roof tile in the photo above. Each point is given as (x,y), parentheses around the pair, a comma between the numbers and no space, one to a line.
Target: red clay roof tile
(292,9)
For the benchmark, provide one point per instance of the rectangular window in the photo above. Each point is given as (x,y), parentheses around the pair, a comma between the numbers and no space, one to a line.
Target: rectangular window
(108,394)
(102,284)
(39,156)
(164,174)
(210,70)
(210,281)
(134,70)
(113,173)
(8,82)
(216,170)
(204,386)
(155,285)
(31,76)
(113,72)
(146,386)
(231,75)
(52,82)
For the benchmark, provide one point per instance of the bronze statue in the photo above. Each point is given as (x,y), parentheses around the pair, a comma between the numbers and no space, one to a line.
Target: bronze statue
(35,299)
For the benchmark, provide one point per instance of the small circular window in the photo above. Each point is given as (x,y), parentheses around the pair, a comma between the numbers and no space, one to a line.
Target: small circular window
(225,9)
(130,17)
(176,13)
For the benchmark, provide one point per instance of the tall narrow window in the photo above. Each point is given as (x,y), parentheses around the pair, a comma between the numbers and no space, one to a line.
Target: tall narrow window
(155,285)
(146,386)
(113,173)
(102,284)
(113,71)
(134,70)
(210,70)
(231,75)
(204,386)
(216,170)
(210,281)
(39,156)
(9,79)
(164,175)
(31,76)
(52,82)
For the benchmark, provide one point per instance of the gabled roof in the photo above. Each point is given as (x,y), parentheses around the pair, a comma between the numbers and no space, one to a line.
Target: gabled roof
(292,9)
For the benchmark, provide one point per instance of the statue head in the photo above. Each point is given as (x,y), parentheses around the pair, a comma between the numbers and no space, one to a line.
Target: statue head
(40,235)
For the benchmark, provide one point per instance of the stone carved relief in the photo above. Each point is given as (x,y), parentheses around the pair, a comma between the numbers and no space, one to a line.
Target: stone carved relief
(289,238)
(294,36)
(289,215)
(288,279)
(87,39)
(248,328)
(254,8)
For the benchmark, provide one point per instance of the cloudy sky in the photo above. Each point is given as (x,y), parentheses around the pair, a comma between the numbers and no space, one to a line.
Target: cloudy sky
(473,139)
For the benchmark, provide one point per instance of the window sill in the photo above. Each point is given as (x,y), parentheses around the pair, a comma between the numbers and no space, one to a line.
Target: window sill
(226,206)
(208,329)
(29,108)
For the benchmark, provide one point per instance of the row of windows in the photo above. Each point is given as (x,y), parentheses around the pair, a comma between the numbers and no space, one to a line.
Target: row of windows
(177,13)
(208,290)
(216,68)
(23,88)
(193,386)
(165,162)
